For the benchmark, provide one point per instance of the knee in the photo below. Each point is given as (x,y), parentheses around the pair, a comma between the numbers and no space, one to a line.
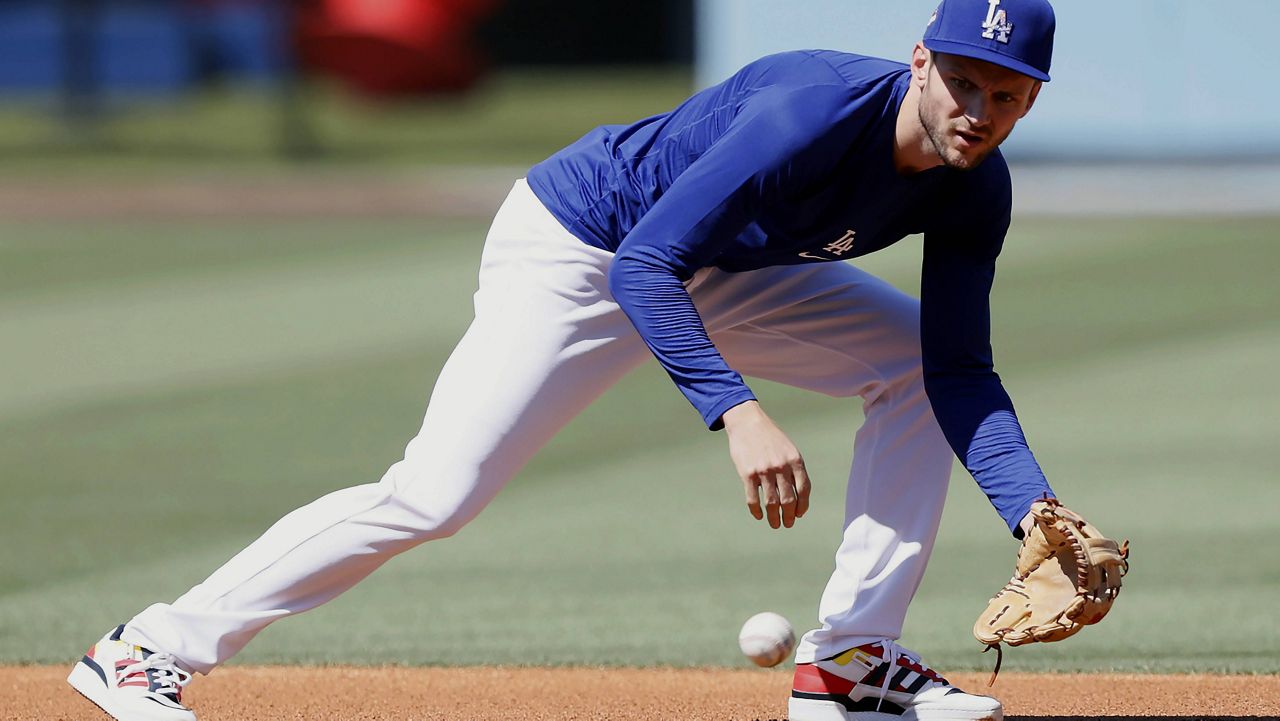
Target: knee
(432,503)
(911,390)
(903,385)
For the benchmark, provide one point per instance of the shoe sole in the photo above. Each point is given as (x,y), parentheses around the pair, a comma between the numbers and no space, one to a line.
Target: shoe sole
(803,709)
(89,684)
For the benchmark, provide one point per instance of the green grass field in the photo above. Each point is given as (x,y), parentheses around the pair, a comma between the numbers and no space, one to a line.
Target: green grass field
(170,389)
(512,118)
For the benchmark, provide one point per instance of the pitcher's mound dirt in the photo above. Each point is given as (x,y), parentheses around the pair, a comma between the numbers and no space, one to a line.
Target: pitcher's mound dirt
(240,693)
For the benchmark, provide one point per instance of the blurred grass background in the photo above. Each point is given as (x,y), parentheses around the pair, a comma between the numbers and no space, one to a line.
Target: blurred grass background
(516,117)
(174,385)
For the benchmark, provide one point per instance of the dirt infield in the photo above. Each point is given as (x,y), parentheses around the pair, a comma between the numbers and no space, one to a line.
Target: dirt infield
(456,694)
(430,193)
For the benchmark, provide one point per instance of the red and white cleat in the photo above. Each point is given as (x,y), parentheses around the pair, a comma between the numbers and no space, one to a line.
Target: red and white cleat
(882,681)
(130,682)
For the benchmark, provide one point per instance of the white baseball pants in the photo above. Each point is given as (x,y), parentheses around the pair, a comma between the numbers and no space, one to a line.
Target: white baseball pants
(547,339)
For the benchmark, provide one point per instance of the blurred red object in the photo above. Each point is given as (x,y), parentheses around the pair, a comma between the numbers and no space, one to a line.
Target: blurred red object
(393,48)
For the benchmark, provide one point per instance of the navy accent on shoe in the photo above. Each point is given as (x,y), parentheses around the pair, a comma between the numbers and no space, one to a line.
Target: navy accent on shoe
(875,704)
(172,704)
(842,700)
(93,666)
(851,706)
(899,677)
(919,683)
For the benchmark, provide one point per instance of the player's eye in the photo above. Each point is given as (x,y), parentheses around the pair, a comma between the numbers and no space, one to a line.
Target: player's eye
(961,83)
(1005,98)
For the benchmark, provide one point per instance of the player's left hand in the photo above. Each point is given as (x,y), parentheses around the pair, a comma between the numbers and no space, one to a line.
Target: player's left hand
(769,465)
(1068,575)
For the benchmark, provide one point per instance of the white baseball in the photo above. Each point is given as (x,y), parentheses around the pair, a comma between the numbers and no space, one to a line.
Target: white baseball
(767,639)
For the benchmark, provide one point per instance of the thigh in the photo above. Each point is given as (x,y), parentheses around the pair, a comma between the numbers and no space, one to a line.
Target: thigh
(827,327)
(547,339)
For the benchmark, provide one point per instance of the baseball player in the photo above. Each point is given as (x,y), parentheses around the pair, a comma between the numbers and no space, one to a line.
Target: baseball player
(712,238)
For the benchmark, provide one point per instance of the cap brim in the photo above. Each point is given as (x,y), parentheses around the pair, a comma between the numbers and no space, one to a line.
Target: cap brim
(951,47)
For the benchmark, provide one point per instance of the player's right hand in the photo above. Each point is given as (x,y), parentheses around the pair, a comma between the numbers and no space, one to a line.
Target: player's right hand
(770,466)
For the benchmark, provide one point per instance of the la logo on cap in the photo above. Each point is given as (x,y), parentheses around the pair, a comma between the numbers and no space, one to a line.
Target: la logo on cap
(997,25)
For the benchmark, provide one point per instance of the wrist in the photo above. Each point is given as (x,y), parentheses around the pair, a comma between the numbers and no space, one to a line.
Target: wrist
(1025,524)
(742,414)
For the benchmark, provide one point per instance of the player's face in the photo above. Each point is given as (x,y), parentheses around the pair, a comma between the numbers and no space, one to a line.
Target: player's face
(968,107)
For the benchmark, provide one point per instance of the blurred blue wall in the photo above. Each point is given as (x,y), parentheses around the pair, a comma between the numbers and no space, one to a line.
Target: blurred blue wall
(139,46)
(1139,78)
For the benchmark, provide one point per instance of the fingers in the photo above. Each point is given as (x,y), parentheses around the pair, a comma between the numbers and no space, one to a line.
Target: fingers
(778,497)
(801,476)
(764,499)
(793,491)
(769,485)
(753,497)
(787,499)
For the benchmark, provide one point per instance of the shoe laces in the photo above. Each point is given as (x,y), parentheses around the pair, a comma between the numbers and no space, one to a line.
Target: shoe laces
(167,677)
(893,652)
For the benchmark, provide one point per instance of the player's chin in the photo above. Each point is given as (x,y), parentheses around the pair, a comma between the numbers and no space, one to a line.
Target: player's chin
(966,158)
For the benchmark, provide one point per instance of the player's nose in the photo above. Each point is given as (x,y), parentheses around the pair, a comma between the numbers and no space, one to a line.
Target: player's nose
(978,111)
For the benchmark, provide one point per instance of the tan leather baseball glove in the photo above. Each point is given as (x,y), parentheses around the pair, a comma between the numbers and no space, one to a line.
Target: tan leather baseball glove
(1068,575)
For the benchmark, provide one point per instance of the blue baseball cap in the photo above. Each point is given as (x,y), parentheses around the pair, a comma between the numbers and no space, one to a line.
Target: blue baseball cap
(1015,34)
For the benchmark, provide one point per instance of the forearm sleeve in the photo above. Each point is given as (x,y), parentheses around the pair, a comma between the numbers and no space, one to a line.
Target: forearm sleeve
(664,315)
(968,399)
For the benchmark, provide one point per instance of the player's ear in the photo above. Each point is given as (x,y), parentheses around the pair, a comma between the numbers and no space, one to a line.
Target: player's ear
(1031,99)
(921,59)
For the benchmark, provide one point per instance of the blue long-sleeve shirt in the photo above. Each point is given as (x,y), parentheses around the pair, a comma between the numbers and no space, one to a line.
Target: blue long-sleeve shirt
(776,166)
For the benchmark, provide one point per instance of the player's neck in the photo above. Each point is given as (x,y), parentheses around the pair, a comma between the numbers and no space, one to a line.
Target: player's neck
(912,150)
